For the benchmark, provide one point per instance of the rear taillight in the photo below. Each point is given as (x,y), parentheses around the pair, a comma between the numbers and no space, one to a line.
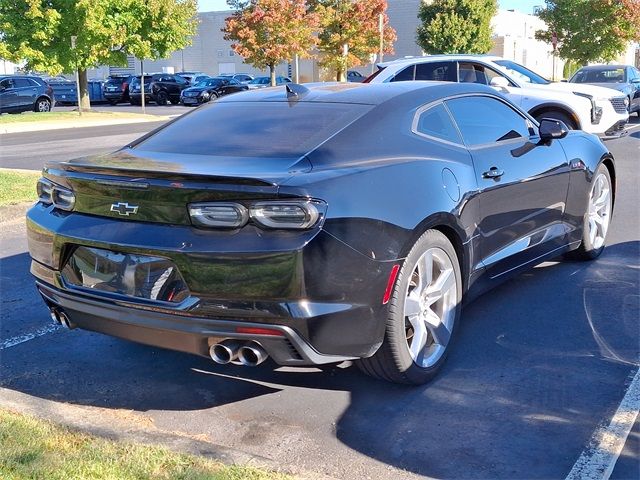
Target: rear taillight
(276,214)
(51,193)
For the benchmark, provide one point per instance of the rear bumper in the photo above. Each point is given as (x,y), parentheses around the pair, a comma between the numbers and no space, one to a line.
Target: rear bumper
(325,296)
(176,331)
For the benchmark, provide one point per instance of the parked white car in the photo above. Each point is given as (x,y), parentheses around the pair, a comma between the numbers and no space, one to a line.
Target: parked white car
(597,110)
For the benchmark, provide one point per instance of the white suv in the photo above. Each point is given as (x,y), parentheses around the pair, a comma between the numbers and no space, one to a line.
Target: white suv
(597,110)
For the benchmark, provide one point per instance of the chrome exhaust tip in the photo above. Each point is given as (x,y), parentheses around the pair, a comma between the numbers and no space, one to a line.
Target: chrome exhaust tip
(224,352)
(65,321)
(55,316)
(252,354)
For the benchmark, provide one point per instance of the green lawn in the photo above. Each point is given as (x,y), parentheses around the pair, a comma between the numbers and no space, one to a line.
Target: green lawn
(37,449)
(28,117)
(17,186)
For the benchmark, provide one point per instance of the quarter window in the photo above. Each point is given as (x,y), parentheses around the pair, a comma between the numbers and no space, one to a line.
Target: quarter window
(486,120)
(405,75)
(436,122)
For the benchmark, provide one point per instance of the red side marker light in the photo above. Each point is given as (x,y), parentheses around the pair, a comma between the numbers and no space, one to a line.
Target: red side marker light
(390,283)
(259,331)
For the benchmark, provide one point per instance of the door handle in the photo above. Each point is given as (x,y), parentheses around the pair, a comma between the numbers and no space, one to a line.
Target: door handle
(493,173)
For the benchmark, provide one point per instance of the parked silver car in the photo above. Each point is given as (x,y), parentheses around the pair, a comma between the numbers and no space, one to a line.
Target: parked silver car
(624,78)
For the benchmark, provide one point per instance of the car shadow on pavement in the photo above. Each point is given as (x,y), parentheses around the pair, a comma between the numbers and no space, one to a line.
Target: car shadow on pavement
(538,363)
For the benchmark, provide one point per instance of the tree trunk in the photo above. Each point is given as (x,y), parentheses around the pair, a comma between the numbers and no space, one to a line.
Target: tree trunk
(341,75)
(272,75)
(84,102)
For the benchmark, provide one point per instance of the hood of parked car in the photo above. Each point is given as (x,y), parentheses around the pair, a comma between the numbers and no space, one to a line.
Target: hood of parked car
(594,91)
(198,89)
(620,87)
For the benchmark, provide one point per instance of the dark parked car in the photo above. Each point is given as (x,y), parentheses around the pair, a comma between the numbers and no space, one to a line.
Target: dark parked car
(316,225)
(262,82)
(116,89)
(25,93)
(240,77)
(355,76)
(160,88)
(193,77)
(210,89)
(623,78)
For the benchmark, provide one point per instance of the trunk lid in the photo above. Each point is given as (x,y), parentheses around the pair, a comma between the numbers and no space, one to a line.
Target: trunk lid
(161,185)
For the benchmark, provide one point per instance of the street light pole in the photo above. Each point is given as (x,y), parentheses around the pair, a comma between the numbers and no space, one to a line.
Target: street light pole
(142,86)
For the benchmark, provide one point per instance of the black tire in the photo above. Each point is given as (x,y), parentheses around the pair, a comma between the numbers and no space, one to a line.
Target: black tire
(174,101)
(586,251)
(113,103)
(563,117)
(162,97)
(135,102)
(42,105)
(393,361)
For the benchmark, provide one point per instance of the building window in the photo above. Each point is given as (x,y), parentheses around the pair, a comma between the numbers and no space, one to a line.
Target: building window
(231,53)
(220,53)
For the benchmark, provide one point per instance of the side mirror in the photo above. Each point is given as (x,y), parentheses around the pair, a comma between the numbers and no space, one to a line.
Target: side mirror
(551,129)
(499,82)
(564,80)
(636,81)
(2,88)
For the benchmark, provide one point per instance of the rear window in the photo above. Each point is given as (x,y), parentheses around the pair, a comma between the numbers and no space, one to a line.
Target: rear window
(259,129)
(117,80)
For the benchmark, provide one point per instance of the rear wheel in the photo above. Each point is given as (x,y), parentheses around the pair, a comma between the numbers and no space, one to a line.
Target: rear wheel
(423,311)
(162,98)
(597,217)
(556,115)
(42,105)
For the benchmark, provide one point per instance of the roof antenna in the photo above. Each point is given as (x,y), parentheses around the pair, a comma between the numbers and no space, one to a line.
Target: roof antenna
(296,90)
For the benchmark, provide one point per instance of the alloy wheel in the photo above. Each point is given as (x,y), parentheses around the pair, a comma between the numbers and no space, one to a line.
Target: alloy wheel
(430,306)
(44,106)
(599,210)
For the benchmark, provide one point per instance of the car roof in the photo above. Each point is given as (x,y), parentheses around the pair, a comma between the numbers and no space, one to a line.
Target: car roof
(359,93)
(435,58)
(599,67)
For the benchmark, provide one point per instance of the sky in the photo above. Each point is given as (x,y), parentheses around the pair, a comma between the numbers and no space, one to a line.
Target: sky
(525,6)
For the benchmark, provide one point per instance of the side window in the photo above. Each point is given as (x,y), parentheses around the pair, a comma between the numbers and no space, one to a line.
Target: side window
(7,83)
(180,80)
(22,83)
(486,120)
(437,71)
(405,75)
(436,122)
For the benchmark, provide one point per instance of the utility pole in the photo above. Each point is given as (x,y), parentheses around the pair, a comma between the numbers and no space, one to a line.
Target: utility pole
(75,55)
(142,85)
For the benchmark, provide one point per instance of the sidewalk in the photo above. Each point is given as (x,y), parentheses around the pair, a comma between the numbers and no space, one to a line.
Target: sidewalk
(80,122)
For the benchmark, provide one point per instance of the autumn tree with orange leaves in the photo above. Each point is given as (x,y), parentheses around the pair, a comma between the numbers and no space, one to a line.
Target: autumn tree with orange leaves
(268,32)
(349,32)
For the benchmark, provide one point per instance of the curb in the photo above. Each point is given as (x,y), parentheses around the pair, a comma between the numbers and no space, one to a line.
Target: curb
(124,425)
(14,213)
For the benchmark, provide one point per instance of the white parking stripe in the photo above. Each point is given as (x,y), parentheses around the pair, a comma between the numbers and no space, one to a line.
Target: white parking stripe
(12,342)
(599,458)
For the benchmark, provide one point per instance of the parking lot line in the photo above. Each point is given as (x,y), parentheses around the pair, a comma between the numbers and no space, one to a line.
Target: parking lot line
(599,458)
(12,342)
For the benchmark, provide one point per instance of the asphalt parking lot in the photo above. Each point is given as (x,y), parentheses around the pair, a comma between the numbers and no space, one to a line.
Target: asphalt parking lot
(540,363)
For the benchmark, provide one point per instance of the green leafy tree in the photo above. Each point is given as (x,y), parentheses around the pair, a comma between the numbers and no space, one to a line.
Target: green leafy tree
(591,30)
(268,32)
(350,33)
(456,26)
(39,32)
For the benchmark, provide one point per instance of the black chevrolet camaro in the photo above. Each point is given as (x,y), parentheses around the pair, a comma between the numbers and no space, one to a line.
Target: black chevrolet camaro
(316,224)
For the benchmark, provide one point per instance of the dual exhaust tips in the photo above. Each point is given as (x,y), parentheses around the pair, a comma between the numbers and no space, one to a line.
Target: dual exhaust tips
(249,354)
(61,318)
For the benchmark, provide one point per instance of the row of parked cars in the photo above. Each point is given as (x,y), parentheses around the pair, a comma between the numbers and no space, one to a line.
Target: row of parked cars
(188,88)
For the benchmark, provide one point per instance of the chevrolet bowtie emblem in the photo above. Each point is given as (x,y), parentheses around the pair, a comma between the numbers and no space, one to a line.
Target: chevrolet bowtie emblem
(123,208)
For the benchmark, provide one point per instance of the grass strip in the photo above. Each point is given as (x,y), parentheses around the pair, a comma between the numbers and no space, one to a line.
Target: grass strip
(30,117)
(17,186)
(36,449)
